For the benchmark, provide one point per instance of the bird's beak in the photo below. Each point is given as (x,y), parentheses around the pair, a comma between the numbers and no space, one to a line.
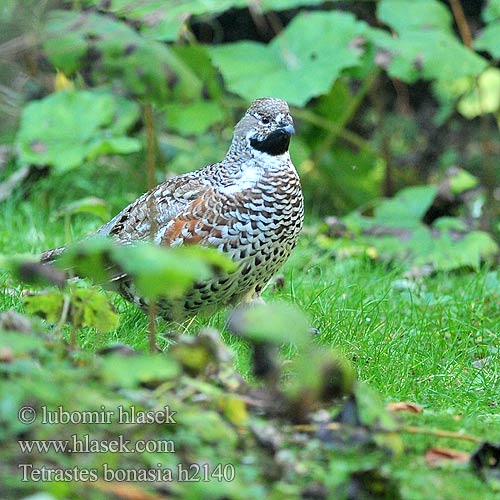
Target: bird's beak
(288,129)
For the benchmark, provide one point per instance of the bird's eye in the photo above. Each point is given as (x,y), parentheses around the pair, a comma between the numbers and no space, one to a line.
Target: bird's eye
(265,120)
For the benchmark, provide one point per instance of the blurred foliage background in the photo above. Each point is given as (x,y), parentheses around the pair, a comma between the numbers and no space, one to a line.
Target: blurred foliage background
(386,94)
(396,104)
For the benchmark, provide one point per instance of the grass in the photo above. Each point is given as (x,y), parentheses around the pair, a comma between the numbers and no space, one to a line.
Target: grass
(433,342)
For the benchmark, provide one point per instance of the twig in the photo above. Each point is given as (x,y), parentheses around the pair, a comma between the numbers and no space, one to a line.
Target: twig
(64,314)
(410,429)
(152,326)
(489,211)
(150,144)
(150,165)
(463,27)
(347,115)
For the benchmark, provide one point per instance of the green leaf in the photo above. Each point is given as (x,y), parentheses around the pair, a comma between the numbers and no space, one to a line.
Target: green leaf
(484,97)
(414,15)
(428,55)
(130,371)
(266,5)
(450,223)
(300,63)
(461,181)
(197,59)
(396,232)
(426,46)
(91,258)
(355,176)
(66,54)
(48,305)
(21,343)
(492,11)
(477,246)
(407,208)
(169,272)
(194,118)
(112,145)
(89,205)
(488,40)
(90,307)
(67,127)
(155,270)
(372,409)
(278,323)
(333,375)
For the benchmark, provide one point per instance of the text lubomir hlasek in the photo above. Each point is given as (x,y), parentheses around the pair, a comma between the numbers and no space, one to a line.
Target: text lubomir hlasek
(120,415)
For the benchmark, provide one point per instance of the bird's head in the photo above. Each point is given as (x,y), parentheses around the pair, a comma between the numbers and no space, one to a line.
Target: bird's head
(266,127)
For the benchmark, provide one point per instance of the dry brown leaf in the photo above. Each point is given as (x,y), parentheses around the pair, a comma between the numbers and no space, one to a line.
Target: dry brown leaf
(434,457)
(404,406)
(6,354)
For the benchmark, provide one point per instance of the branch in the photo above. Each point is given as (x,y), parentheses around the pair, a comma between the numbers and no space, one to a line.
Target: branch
(463,27)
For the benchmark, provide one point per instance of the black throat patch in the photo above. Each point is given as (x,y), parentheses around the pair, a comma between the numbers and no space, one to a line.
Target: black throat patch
(276,143)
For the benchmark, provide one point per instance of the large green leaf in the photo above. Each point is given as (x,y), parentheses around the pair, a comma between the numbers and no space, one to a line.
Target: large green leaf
(48,305)
(68,127)
(87,307)
(396,232)
(428,55)
(155,270)
(415,14)
(300,63)
(489,39)
(194,118)
(88,205)
(407,208)
(446,251)
(492,11)
(160,271)
(131,371)
(426,46)
(90,307)
(277,323)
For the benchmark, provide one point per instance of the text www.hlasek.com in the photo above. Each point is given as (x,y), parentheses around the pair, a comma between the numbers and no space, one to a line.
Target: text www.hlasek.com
(85,444)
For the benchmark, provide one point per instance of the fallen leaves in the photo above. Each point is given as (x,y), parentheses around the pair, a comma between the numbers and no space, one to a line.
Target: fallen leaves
(404,406)
(436,457)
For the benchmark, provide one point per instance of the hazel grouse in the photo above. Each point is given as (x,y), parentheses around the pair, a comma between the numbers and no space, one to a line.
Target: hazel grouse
(249,206)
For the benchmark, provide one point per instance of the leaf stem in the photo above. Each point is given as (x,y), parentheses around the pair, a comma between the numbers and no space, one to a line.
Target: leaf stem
(347,115)
(152,209)
(463,27)
(488,177)
(150,144)
(410,429)
(321,122)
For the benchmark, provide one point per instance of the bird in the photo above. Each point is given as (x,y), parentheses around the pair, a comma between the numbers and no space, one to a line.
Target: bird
(249,206)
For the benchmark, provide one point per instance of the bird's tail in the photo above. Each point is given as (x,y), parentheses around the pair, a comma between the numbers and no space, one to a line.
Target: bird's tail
(49,256)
